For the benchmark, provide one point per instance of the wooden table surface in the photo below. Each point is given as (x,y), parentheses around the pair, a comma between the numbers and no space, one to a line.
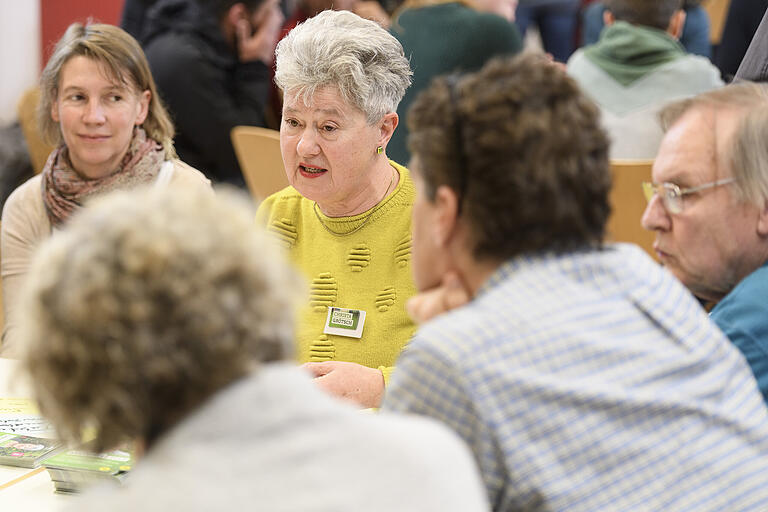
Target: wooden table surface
(22,489)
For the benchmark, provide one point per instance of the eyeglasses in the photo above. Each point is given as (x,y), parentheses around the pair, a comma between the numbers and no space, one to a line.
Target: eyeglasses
(672,195)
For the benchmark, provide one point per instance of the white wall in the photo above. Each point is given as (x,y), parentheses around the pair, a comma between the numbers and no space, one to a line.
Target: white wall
(19,52)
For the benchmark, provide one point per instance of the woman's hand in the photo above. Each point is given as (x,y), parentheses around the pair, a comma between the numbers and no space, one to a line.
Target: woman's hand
(350,381)
(448,295)
(259,45)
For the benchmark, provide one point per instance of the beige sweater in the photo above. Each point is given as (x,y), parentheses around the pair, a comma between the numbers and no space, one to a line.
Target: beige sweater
(25,226)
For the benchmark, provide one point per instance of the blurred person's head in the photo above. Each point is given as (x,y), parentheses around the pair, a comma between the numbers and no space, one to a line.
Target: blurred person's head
(95,88)
(508,161)
(712,237)
(667,15)
(146,305)
(342,77)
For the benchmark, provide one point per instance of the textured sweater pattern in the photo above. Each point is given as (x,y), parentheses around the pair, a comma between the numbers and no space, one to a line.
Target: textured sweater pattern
(368,269)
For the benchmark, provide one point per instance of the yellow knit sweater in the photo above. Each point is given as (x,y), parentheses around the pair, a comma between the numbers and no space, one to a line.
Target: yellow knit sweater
(367,269)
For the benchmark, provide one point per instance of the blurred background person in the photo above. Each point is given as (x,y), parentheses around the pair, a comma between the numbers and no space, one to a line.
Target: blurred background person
(345,218)
(173,336)
(479,30)
(99,106)
(134,16)
(556,21)
(695,35)
(212,60)
(15,162)
(636,67)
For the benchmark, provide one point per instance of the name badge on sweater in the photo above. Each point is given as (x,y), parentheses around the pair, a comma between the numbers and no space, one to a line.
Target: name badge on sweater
(345,322)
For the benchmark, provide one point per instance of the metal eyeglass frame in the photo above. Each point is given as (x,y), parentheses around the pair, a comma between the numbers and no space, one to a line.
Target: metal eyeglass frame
(673,195)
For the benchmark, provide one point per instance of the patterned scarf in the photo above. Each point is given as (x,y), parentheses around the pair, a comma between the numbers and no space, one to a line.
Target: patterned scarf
(65,190)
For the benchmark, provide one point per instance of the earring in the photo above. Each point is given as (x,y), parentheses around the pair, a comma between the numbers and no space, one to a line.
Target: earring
(379,150)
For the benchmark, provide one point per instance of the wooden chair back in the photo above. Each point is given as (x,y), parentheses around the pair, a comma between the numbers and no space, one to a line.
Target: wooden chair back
(38,149)
(258,153)
(628,203)
(718,13)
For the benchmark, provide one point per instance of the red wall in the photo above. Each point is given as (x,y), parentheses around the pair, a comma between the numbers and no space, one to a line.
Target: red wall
(56,16)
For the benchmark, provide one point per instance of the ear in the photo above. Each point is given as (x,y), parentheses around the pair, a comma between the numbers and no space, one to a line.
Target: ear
(387,127)
(144,99)
(608,18)
(675,28)
(446,216)
(762,220)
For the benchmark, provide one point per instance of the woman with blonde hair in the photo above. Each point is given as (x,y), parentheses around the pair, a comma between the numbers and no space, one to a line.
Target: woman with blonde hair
(448,36)
(100,108)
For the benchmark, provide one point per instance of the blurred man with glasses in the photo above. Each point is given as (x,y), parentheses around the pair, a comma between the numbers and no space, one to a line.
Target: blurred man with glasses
(708,204)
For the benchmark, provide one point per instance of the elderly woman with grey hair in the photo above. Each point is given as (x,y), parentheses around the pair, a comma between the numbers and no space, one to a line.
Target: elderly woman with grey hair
(174,335)
(346,217)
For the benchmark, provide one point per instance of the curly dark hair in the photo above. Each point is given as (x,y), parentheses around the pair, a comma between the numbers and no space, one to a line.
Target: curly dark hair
(146,305)
(651,13)
(524,150)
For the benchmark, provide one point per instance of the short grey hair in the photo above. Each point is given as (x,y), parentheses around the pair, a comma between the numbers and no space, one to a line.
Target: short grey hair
(748,153)
(146,305)
(357,56)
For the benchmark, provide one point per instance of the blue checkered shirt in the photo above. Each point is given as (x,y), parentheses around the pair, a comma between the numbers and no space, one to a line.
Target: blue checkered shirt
(592,381)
